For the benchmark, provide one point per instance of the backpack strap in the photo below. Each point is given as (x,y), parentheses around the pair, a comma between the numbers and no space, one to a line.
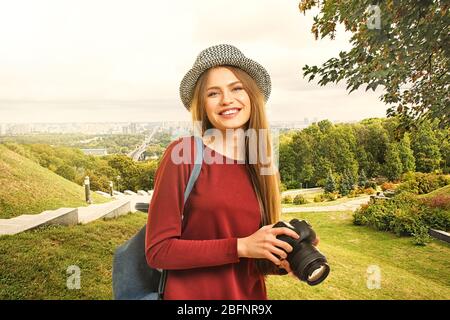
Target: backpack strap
(192,179)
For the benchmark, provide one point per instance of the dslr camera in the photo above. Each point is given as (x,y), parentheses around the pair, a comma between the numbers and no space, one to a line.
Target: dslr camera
(305,260)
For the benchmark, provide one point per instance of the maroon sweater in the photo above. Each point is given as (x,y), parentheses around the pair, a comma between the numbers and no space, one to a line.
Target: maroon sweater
(201,257)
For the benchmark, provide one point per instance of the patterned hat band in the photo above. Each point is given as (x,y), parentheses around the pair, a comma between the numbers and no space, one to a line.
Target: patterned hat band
(223,54)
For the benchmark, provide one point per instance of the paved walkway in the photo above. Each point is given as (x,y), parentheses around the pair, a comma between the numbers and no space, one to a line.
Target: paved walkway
(350,205)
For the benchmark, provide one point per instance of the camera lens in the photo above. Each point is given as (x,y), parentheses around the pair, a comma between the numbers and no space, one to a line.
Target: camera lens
(306,261)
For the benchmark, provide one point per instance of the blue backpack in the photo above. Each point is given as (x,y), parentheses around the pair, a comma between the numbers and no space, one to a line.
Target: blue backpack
(132,277)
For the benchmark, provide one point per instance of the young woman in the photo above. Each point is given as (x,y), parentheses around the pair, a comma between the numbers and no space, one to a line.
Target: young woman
(225,245)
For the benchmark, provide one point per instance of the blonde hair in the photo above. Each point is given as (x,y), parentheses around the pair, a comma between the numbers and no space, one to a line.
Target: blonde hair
(267,187)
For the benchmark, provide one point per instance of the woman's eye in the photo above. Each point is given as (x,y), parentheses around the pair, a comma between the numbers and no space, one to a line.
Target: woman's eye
(238,88)
(211,94)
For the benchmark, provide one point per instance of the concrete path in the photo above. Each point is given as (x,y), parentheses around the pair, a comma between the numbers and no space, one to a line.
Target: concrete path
(350,205)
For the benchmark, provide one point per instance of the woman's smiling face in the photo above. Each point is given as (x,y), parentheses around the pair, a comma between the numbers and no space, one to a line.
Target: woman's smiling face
(227,103)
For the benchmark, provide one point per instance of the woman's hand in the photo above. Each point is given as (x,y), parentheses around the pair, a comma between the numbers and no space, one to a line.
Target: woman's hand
(264,244)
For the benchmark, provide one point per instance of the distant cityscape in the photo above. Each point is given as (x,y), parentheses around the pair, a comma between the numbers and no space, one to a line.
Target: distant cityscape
(14,129)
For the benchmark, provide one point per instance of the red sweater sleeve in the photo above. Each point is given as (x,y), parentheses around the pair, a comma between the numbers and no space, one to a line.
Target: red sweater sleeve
(164,248)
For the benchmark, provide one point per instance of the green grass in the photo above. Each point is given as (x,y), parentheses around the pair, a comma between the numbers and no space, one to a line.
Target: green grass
(34,263)
(407,271)
(438,192)
(28,188)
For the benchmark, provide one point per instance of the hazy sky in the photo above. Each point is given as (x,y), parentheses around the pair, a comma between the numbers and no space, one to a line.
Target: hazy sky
(123,60)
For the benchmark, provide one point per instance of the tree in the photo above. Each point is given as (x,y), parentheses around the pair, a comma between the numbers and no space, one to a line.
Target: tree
(345,186)
(362,180)
(330,185)
(406,154)
(426,148)
(399,45)
(393,167)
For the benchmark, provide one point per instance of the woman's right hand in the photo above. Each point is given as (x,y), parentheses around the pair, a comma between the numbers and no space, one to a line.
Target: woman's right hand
(264,244)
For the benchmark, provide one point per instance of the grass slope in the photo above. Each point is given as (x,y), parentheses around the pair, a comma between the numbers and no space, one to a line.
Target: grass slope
(407,271)
(34,263)
(28,188)
(444,191)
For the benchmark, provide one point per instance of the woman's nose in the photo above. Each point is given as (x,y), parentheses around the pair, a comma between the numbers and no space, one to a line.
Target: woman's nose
(227,98)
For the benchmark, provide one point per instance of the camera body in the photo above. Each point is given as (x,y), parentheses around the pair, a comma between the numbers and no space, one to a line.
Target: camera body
(306,261)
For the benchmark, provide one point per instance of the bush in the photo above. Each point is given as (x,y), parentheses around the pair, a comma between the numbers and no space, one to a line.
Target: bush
(405,215)
(421,183)
(388,186)
(369,191)
(371,184)
(287,199)
(299,199)
(329,196)
(441,201)
(318,198)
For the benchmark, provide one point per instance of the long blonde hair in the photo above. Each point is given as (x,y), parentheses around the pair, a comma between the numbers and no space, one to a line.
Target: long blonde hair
(267,187)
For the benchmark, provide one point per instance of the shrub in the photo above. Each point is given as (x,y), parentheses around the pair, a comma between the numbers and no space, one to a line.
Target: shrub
(318,198)
(421,183)
(299,199)
(287,199)
(405,215)
(441,201)
(329,196)
(388,186)
(369,191)
(371,184)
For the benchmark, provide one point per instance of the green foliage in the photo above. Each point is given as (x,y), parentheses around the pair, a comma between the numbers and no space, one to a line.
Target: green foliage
(299,199)
(318,198)
(407,54)
(346,184)
(370,147)
(426,148)
(405,215)
(421,183)
(287,199)
(406,154)
(28,188)
(362,178)
(393,167)
(330,185)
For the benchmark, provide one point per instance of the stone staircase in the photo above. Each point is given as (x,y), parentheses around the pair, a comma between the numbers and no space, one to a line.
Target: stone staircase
(123,204)
(61,216)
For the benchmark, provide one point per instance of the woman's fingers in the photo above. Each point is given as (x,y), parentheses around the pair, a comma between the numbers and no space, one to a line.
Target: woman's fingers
(268,255)
(283,245)
(286,231)
(316,241)
(285,265)
(282,254)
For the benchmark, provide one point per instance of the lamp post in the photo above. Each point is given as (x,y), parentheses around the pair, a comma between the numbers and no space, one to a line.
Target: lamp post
(87,190)
(111,188)
(118,183)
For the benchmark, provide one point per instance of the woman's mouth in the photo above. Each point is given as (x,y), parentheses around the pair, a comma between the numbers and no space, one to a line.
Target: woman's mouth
(229,113)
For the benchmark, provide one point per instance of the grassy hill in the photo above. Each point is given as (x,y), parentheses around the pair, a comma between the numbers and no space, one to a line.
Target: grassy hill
(444,191)
(32,271)
(28,188)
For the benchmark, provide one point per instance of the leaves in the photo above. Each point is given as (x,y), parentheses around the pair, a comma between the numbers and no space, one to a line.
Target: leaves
(409,56)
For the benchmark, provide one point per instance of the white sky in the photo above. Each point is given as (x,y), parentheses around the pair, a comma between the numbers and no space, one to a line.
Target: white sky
(123,60)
